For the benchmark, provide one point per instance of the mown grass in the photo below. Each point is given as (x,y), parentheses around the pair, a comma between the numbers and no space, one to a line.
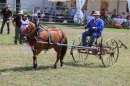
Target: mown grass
(16,65)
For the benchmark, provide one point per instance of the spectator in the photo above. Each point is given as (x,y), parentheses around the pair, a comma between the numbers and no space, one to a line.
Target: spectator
(65,14)
(71,13)
(114,13)
(111,19)
(51,14)
(51,11)
(45,10)
(38,12)
(109,14)
(90,16)
(17,24)
(34,12)
(58,12)
(85,17)
(6,14)
(42,14)
(127,16)
(102,14)
(117,16)
(123,15)
(127,23)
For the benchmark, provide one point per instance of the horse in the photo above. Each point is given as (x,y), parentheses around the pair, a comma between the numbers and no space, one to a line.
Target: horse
(34,34)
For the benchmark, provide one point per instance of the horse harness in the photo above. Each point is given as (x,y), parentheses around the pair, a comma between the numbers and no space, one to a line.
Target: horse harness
(37,37)
(49,40)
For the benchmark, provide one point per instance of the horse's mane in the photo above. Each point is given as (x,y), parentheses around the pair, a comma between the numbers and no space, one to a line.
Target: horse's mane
(32,24)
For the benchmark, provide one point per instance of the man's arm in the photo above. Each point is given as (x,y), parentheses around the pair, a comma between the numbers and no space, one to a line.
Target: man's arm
(101,26)
(1,14)
(11,15)
(88,23)
(13,21)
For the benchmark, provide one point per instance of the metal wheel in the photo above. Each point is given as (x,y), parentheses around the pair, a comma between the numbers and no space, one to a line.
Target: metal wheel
(109,53)
(78,55)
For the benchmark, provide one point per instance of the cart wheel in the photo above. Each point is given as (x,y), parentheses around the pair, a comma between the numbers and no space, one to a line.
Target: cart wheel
(78,55)
(109,53)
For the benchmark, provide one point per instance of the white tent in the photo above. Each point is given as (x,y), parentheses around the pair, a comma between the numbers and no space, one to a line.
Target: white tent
(95,5)
(58,0)
(129,5)
(78,17)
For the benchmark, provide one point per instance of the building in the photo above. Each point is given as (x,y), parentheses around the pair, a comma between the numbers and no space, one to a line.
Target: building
(90,5)
(109,5)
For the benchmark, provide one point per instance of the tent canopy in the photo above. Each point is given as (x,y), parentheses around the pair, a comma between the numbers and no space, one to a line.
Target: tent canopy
(59,0)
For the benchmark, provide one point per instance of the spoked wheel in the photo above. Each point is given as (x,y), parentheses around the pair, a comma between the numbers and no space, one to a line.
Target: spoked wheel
(78,55)
(109,53)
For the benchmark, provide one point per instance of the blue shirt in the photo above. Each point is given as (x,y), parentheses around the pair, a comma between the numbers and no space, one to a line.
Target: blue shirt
(72,13)
(51,11)
(99,24)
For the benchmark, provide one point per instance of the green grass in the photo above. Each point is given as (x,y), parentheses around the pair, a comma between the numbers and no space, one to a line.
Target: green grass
(16,65)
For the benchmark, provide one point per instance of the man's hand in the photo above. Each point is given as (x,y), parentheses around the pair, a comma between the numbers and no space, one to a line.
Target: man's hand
(94,28)
(10,18)
(85,26)
(1,16)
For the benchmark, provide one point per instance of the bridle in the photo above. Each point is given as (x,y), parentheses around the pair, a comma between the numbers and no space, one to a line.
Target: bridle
(25,27)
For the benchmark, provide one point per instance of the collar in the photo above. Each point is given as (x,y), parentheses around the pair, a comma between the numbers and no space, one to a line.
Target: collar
(95,20)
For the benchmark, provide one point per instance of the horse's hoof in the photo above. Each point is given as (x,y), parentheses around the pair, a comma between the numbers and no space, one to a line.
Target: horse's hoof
(61,65)
(54,67)
(35,66)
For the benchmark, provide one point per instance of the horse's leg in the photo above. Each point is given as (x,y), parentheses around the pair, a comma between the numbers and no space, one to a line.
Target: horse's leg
(34,59)
(63,52)
(61,59)
(58,56)
(35,54)
(61,62)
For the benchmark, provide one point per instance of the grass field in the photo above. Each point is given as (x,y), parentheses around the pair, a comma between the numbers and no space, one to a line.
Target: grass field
(16,64)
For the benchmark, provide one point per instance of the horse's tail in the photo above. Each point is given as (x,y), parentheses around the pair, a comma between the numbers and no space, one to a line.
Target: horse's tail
(64,50)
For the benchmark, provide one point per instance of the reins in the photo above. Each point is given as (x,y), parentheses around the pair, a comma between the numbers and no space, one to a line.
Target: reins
(28,35)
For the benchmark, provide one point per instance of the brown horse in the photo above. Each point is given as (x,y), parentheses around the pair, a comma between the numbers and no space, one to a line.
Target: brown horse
(50,35)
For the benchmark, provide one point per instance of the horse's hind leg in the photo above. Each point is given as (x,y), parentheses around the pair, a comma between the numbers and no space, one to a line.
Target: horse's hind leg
(61,62)
(58,57)
(63,52)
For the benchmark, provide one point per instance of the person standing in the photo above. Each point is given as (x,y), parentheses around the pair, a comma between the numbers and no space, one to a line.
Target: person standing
(6,15)
(17,24)
(34,15)
(95,28)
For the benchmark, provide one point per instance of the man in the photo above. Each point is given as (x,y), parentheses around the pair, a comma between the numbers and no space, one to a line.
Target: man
(95,26)
(51,11)
(71,13)
(58,12)
(51,14)
(66,15)
(6,15)
(17,24)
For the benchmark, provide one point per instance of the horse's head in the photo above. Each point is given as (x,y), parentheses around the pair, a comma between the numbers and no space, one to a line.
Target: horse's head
(26,28)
